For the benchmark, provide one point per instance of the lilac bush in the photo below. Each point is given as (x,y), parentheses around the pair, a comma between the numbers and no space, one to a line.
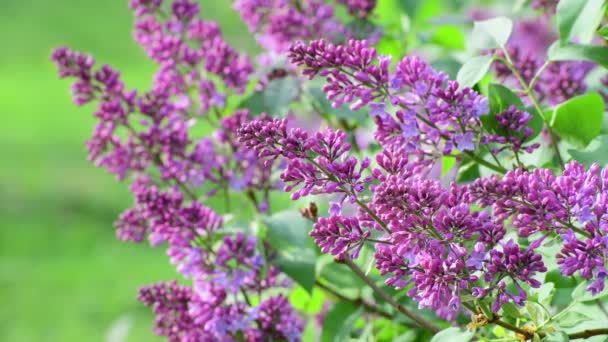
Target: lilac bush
(467,203)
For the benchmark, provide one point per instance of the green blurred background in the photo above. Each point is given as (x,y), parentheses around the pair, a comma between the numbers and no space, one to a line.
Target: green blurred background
(63,275)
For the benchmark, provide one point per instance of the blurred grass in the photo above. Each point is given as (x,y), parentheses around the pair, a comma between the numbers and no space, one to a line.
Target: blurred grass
(63,275)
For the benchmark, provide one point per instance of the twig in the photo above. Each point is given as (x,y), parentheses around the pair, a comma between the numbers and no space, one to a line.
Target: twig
(419,320)
(530,92)
(588,333)
(369,307)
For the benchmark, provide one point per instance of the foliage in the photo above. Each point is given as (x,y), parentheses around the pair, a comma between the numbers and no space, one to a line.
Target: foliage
(437,216)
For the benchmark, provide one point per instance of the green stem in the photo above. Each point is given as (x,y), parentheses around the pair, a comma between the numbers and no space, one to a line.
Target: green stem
(530,93)
(419,320)
(369,307)
(485,163)
(361,204)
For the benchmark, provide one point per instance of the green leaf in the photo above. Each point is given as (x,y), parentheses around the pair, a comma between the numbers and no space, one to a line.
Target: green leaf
(410,7)
(468,173)
(453,334)
(389,46)
(339,321)
(536,312)
(579,119)
(448,36)
(545,294)
(305,302)
(473,70)
(342,112)
(596,152)
(509,309)
(287,227)
(560,282)
(275,98)
(340,276)
(579,18)
(603,32)
(581,294)
(492,33)
(556,336)
(388,13)
(448,65)
(449,20)
(299,264)
(280,92)
(288,234)
(578,52)
(572,319)
(501,98)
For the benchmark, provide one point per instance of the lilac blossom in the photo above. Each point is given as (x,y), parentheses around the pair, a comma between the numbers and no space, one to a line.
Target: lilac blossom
(527,48)
(331,171)
(338,235)
(514,125)
(278,23)
(432,115)
(184,315)
(359,8)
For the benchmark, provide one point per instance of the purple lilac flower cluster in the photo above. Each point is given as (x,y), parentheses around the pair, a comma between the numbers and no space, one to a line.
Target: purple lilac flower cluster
(431,241)
(572,206)
(359,8)
(183,315)
(217,306)
(438,241)
(148,136)
(527,48)
(278,23)
(548,6)
(428,114)
(329,171)
(515,129)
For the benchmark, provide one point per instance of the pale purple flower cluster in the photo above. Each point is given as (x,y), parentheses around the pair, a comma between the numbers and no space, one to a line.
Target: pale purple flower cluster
(219,271)
(564,80)
(518,265)
(432,239)
(189,51)
(211,315)
(223,161)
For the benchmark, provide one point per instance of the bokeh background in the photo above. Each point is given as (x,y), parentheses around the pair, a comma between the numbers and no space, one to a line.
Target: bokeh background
(63,275)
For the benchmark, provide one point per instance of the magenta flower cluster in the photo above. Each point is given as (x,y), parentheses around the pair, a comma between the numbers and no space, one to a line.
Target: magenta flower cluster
(148,137)
(182,315)
(450,246)
(571,206)
(434,239)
